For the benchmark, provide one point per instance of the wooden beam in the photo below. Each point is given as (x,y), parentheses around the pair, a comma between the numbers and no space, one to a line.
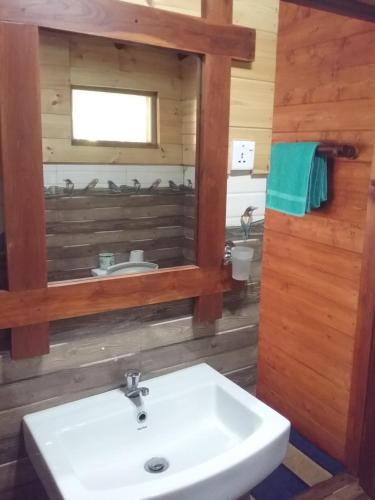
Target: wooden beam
(361,431)
(30,301)
(124,21)
(212,161)
(351,8)
(218,11)
(22,175)
(75,298)
(366,469)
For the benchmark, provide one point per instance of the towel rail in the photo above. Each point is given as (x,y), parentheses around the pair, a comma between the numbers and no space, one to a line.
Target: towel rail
(338,150)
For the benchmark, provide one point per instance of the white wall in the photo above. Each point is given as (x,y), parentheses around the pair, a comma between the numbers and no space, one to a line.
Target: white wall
(81,175)
(242,190)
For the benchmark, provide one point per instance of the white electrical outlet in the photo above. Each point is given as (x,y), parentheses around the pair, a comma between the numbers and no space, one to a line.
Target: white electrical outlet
(243,155)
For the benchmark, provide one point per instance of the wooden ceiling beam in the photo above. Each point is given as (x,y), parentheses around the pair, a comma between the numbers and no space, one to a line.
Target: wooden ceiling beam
(134,23)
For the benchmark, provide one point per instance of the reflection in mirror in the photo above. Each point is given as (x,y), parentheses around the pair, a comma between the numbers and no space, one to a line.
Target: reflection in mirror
(119,134)
(246,197)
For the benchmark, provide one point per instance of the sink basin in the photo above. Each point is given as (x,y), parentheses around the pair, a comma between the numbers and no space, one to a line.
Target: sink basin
(132,268)
(202,436)
(126,268)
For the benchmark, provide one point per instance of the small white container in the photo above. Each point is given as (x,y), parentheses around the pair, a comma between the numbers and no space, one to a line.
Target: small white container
(106,260)
(136,256)
(241,262)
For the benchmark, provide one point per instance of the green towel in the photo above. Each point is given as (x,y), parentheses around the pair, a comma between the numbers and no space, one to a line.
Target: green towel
(298,179)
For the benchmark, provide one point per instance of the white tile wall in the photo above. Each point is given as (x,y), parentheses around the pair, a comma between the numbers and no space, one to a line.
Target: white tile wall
(81,175)
(189,173)
(243,190)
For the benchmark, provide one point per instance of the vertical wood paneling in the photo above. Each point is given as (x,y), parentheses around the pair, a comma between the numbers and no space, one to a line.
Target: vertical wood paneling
(21,163)
(362,403)
(212,161)
(312,265)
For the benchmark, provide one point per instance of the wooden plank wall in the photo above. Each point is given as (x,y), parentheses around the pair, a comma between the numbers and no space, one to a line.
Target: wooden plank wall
(252,84)
(3,280)
(81,60)
(325,90)
(190,73)
(80,227)
(251,92)
(90,355)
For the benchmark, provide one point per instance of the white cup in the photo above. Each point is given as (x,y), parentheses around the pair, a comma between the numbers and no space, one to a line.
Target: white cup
(106,260)
(241,262)
(136,256)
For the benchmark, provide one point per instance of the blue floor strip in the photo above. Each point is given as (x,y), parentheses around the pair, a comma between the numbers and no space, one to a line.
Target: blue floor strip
(318,456)
(282,484)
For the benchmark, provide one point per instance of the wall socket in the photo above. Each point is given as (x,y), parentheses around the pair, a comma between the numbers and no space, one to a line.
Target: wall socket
(243,153)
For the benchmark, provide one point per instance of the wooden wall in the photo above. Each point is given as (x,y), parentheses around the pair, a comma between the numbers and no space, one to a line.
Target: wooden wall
(2,246)
(252,87)
(90,355)
(190,73)
(86,62)
(80,60)
(325,90)
(80,227)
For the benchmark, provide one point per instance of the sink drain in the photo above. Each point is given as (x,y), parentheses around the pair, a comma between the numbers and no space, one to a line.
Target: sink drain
(156,465)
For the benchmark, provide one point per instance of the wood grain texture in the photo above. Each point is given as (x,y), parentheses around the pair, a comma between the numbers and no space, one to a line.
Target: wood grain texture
(352,76)
(96,62)
(89,355)
(360,9)
(97,339)
(135,23)
(366,469)
(342,486)
(312,265)
(21,164)
(212,161)
(361,436)
(80,228)
(68,59)
(309,28)
(116,20)
(80,298)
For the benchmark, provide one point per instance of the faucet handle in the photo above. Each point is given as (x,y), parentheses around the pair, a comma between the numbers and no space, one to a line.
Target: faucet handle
(132,378)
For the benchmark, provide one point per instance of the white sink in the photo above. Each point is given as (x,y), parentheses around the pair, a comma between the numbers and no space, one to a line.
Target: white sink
(126,268)
(219,441)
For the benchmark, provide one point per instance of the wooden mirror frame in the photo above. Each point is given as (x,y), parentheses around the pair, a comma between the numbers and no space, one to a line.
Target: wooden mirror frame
(30,301)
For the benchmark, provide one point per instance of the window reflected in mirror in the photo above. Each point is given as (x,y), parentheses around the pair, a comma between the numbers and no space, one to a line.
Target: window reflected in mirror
(119,147)
(111,117)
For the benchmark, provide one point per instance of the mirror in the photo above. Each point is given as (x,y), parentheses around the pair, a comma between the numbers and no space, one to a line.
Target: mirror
(246,196)
(119,135)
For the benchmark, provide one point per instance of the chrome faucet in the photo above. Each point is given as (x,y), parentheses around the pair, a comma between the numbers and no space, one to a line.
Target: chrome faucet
(132,380)
(228,252)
